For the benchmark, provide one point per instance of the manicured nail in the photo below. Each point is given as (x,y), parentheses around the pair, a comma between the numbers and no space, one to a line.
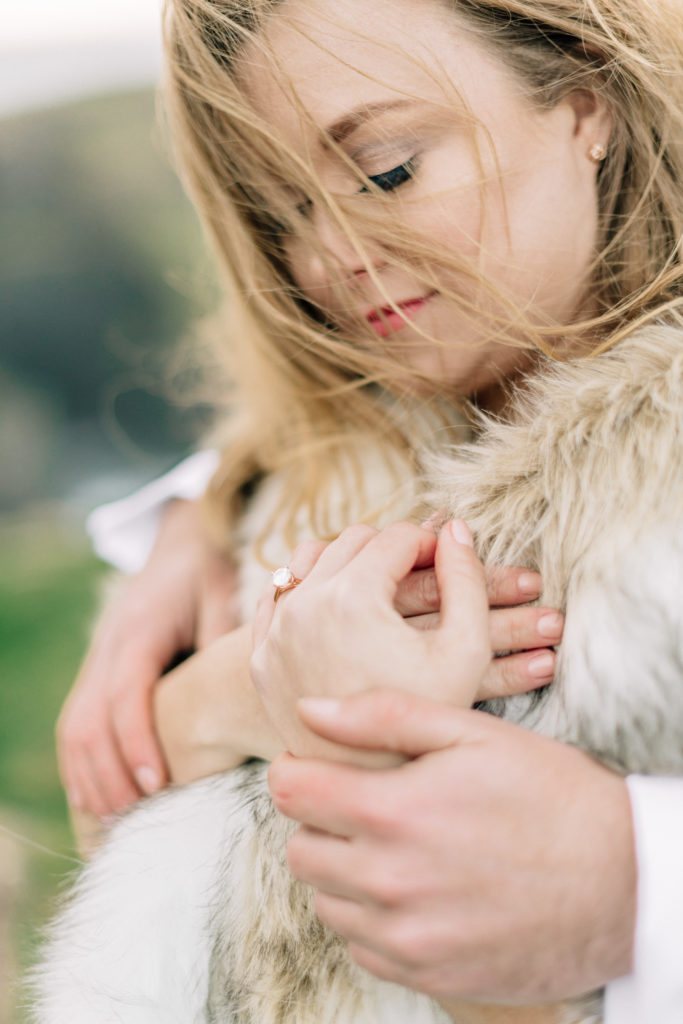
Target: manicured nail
(529,583)
(147,779)
(461,532)
(322,708)
(550,625)
(542,666)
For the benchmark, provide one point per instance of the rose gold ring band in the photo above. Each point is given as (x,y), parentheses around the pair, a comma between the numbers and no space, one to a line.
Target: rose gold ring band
(284,579)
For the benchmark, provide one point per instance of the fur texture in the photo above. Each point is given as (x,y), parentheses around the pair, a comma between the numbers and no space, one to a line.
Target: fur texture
(189,915)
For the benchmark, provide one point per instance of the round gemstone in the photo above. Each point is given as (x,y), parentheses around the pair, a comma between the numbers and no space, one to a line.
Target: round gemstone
(283,577)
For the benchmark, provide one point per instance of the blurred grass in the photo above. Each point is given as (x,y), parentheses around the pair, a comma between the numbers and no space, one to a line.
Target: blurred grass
(102,269)
(48,587)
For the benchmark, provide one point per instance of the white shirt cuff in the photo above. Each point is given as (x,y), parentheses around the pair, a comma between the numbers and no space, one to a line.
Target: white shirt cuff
(654,992)
(123,532)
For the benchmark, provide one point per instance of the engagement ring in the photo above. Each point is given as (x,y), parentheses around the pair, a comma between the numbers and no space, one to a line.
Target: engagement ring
(284,579)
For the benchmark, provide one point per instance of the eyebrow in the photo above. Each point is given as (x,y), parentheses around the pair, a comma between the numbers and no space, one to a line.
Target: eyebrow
(348,124)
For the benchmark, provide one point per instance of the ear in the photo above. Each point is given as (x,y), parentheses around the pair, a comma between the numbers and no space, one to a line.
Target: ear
(593,120)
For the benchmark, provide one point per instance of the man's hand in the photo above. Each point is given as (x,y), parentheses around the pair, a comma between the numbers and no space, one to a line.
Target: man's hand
(494,865)
(184,598)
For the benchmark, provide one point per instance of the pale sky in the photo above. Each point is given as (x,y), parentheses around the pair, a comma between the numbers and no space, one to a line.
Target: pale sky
(31,23)
(55,50)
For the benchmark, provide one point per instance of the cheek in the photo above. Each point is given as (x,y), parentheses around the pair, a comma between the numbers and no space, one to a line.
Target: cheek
(452,224)
(552,218)
(449,214)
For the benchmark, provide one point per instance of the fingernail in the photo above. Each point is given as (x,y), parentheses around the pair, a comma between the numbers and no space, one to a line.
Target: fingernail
(319,707)
(529,583)
(147,779)
(542,666)
(461,532)
(550,625)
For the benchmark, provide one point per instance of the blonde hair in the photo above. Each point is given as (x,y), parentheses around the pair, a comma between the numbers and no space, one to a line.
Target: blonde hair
(302,395)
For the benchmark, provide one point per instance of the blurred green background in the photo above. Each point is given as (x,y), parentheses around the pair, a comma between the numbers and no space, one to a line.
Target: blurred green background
(102,269)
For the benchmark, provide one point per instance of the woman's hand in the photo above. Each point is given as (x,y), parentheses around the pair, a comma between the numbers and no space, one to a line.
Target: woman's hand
(339,631)
(346,627)
(107,746)
(496,865)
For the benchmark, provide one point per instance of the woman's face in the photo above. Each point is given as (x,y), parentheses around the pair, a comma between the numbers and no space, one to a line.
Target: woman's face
(444,129)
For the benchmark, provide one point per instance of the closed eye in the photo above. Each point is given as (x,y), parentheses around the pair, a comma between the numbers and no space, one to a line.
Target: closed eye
(397,176)
(386,182)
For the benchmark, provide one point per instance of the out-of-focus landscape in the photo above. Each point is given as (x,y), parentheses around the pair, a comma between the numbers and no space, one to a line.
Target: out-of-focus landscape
(102,269)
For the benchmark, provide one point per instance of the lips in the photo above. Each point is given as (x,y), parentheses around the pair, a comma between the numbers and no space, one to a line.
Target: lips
(386,319)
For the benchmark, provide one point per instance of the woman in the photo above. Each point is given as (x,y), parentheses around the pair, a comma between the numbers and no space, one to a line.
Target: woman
(461,281)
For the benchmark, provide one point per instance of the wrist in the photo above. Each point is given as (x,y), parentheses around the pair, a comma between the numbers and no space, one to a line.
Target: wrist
(209,717)
(626,895)
(611,866)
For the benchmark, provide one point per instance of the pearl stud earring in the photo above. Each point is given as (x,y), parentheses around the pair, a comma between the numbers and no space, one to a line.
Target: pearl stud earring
(597,152)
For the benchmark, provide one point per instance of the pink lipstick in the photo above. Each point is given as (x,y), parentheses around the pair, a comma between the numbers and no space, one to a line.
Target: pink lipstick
(386,320)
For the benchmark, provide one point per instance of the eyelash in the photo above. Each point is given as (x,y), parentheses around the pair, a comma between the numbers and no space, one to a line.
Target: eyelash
(394,178)
(388,181)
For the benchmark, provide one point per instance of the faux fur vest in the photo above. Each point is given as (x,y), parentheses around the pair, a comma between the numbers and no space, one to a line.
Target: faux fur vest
(188,915)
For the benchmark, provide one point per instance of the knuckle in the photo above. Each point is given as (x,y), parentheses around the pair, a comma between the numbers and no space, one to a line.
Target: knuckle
(524,633)
(428,590)
(507,675)
(412,529)
(409,942)
(129,729)
(515,632)
(401,529)
(381,819)
(342,594)
(97,806)
(125,689)
(436,982)
(392,708)
(258,667)
(501,583)
(307,551)
(359,533)
(388,888)
(72,735)
(297,859)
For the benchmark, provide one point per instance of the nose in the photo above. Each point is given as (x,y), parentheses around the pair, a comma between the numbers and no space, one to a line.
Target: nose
(335,258)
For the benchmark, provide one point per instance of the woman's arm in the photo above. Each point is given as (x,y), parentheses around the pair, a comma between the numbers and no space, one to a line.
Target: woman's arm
(209,716)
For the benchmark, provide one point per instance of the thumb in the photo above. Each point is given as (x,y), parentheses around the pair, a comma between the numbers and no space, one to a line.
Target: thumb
(392,720)
(462,588)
